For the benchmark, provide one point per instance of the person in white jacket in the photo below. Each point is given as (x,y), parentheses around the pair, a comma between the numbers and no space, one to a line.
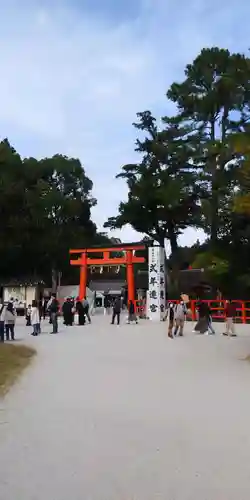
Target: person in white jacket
(180,316)
(35,318)
(9,320)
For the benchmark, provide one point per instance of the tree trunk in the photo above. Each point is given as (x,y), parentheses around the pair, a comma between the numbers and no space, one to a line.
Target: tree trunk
(215,200)
(174,244)
(54,280)
(214,214)
(214,197)
(175,257)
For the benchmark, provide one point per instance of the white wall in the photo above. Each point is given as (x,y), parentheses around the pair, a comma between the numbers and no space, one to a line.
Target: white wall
(73,291)
(20,293)
(68,291)
(30,294)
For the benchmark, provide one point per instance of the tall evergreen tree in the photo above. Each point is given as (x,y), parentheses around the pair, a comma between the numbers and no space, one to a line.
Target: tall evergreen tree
(162,194)
(214,101)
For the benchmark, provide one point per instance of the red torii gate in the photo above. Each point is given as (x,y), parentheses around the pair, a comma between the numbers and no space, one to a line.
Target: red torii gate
(105,259)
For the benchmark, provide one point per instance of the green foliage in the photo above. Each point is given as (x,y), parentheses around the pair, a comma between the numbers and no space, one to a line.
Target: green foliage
(162,199)
(214,99)
(44,210)
(187,255)
(212,263)
(241,143)
(189,158)
(194,169)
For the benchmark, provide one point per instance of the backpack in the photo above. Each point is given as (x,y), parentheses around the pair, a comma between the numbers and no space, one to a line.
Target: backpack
(177,308)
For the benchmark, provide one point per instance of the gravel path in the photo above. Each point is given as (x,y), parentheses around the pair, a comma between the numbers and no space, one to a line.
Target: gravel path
(123,413)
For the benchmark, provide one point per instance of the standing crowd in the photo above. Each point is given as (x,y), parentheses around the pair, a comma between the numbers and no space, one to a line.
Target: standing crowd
(38,310)
(117,305)
(50,307)
(70,307)
(178,313)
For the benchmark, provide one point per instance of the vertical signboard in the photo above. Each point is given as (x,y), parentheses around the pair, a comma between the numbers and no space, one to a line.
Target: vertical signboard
(162,282)
(156,283)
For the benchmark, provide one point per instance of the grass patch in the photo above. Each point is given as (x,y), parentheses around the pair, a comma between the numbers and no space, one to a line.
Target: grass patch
(13,359)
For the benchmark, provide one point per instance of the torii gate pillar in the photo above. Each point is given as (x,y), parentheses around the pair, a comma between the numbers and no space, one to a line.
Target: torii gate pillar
(83,276)
(128,258)
(130,276)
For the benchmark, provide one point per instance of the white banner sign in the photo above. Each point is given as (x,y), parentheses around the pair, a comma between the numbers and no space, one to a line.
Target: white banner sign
(156,283)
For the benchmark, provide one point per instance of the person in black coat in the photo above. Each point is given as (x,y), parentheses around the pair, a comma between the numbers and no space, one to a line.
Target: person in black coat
(170,320)
(80,311)
(131,312)
(106,304)
(54,312)
(28,315)
(116,311)
(68,314)
(40,308)
(44,307)
(204,317)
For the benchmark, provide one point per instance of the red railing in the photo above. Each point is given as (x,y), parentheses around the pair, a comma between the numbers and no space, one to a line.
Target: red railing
(140,306)
(217,308)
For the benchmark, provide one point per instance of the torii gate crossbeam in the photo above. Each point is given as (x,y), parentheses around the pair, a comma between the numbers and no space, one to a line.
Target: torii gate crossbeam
(129,259)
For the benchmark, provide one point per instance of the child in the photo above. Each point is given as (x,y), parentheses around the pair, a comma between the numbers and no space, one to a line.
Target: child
(28,314)
(35,318)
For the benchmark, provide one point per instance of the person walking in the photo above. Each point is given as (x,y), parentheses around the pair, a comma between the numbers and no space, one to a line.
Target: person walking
(211,330)
(116,311)
(54,310)
(80,312)
(67,310)
(48,308)
(2,319)
(170,320)
(86,309)
(179,315)
(44,307)
(40,309)
(230,314)
(10,320)
(204,323)
(28,315)
(131,312)
(106,305)
(35,318)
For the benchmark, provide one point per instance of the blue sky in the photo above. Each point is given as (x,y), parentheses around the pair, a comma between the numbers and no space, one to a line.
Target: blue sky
(74,74)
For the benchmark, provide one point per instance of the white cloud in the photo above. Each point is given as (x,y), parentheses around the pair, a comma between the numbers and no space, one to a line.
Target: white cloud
(72,82)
